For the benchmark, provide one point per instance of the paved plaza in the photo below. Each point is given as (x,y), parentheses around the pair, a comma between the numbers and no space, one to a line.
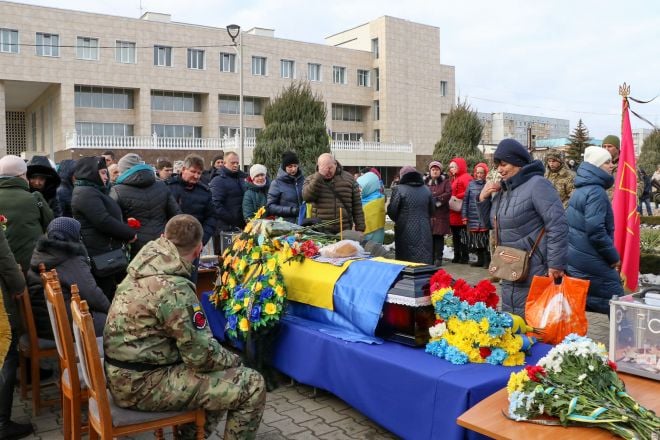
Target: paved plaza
(293,411)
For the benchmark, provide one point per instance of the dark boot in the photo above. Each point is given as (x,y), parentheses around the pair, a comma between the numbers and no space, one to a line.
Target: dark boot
(486,259)
(480,259)
(13,431)
(464,257)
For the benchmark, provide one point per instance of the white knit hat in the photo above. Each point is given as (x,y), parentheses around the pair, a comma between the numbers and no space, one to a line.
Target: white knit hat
(12,166)
(596,155)
(257,169)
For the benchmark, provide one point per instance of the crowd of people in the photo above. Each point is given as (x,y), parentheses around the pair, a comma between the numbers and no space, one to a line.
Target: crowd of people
(130,236)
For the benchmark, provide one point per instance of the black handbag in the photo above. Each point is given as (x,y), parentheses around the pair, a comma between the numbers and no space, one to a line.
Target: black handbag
(109,263)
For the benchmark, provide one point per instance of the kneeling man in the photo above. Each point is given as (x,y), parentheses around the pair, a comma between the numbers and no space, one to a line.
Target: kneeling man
(159,352)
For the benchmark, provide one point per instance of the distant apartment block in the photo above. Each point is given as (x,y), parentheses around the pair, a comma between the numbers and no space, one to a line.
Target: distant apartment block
(73,81)
(639,136)
(523,128)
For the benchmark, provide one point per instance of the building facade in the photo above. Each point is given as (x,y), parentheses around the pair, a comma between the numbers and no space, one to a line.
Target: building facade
(71,81)
(524,128)
(639,136)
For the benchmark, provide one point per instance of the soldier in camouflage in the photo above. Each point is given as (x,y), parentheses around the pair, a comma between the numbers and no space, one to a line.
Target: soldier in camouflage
(159,352)
(560,176)
(612,144)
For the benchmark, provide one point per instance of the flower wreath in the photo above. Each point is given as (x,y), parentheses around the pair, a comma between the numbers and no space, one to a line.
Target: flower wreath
(250,288)
(469,328)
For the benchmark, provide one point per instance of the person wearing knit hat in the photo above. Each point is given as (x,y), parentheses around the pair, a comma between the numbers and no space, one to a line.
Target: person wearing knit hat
(440,187)
(285,192)
(613,145)
(12,166)
(129,161)
(435,163)
(527,208)
(410,208)
(289,158)
(64,229)
(560,176)
(591,252)
(256,194)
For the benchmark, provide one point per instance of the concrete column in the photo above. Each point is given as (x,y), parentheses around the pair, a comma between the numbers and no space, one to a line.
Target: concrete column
(211,115)
(142,103)
(3,121)
(67,115)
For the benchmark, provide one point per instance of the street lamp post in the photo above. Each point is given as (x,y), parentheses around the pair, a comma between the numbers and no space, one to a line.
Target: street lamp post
(234,31)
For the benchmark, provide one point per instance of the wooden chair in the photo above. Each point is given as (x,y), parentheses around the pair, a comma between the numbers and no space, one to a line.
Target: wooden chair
(106,419)
(31,346)
(73,394)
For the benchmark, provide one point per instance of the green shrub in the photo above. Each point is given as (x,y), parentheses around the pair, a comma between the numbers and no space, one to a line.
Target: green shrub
(650,220)
(650,241)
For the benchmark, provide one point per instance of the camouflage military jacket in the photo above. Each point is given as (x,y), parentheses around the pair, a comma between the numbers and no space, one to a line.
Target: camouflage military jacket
(562,180)
(155,317)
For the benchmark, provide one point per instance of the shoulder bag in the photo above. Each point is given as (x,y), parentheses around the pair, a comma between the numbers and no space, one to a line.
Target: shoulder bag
(509,263)
(455,204)
(109,263)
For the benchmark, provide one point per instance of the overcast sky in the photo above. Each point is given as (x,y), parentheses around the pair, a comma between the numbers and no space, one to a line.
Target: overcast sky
(557,58)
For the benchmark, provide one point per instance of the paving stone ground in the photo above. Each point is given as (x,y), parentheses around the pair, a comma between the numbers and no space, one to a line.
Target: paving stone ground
(293,411)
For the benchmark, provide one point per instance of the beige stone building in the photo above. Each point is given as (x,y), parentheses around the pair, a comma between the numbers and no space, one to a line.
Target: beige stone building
(73,82)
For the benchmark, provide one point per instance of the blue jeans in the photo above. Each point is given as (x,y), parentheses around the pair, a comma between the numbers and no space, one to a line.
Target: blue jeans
(646,201)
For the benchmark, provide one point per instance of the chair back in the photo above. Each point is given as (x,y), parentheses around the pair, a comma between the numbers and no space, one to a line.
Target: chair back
(88,353)
(59,320)
(27,317)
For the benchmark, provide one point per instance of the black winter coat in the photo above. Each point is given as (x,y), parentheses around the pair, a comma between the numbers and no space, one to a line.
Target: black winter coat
(194,200)
(146,199)
(411,208)
(72,265)
(65,190)
(227,190)
(11,281)
(102,227)
(41,165)
(285,195)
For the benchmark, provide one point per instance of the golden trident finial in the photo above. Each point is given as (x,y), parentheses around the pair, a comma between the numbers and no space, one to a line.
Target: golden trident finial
(624,90)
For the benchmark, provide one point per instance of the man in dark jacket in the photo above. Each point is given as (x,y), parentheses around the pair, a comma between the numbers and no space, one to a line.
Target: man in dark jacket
(11,284)
(43,178)
(285,193)
(142,197)
(217,163)
(27,214)
(62,250)
(65,190)
(227,189)
(330,189)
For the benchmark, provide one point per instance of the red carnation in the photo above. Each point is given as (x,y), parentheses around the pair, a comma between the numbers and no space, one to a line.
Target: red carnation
(439,280)
(3,219)
(534,371)
(309,248)
(461,289)
(133,223)
(484,352)
(612,365)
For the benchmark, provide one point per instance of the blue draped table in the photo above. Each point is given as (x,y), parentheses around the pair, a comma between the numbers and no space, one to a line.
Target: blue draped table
(405,390)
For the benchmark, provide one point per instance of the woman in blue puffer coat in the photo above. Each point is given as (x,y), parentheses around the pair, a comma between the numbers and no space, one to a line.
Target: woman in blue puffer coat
(591,252)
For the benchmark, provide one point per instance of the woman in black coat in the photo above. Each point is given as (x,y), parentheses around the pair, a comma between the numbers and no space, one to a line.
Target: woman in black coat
(411,208)
(62,250)
(285,193)
(144,198)
(102,226)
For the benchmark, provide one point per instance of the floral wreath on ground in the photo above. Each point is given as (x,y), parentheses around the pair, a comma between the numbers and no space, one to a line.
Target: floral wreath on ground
(468,327)
(250,288)
(577,383)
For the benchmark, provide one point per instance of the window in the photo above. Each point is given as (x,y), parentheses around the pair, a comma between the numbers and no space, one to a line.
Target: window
(346,112)
(103,97)
(259,66)
(178,131)
(227,62)
(338,75)
(353,137)
(374,47)
(251,132)
(8,40)
(125,52)
(168,101)
(229,105)
(377,77)
(376,135)
(287,69)
(314,72)
(363,78)
(227,131)
(103,129)
(163,56)
(87,48)
(195,59)
(443,88)
(48,45)
(376,110)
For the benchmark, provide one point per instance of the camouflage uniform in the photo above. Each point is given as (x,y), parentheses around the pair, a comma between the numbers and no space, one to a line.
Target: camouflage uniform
(561,179)
(610,190)
(155,320)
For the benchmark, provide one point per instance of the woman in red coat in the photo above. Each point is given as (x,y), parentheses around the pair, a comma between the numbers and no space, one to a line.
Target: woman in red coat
(460,180)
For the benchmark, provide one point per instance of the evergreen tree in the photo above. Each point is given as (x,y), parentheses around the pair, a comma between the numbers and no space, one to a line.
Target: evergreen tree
(649,158)
(461,134)
(295,121)
(579,140)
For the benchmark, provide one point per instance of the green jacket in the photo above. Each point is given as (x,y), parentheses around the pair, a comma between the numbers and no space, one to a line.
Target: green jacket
(155,317)
(254,198)
(11,281)
(28,216)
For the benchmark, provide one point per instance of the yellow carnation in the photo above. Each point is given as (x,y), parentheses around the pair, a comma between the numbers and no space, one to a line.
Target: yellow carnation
(242,265)
(244,325)
(255,255)
(246,301)
(257,286)
(271,264)
(279,291)
(517,381)
(237,307)
(270,308)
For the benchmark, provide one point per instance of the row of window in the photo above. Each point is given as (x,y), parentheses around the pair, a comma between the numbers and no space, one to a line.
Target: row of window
(346,136)
(161,130)
(230,105)
(103,129)
(87,48)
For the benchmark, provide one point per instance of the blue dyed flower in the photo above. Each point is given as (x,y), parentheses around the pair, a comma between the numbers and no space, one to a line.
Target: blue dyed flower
(456,356)
(232,321)
(497,356)
(240,293)
(255,314)
(267,293)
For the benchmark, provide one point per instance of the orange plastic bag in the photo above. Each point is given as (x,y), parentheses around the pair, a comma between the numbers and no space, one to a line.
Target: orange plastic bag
(557,309)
